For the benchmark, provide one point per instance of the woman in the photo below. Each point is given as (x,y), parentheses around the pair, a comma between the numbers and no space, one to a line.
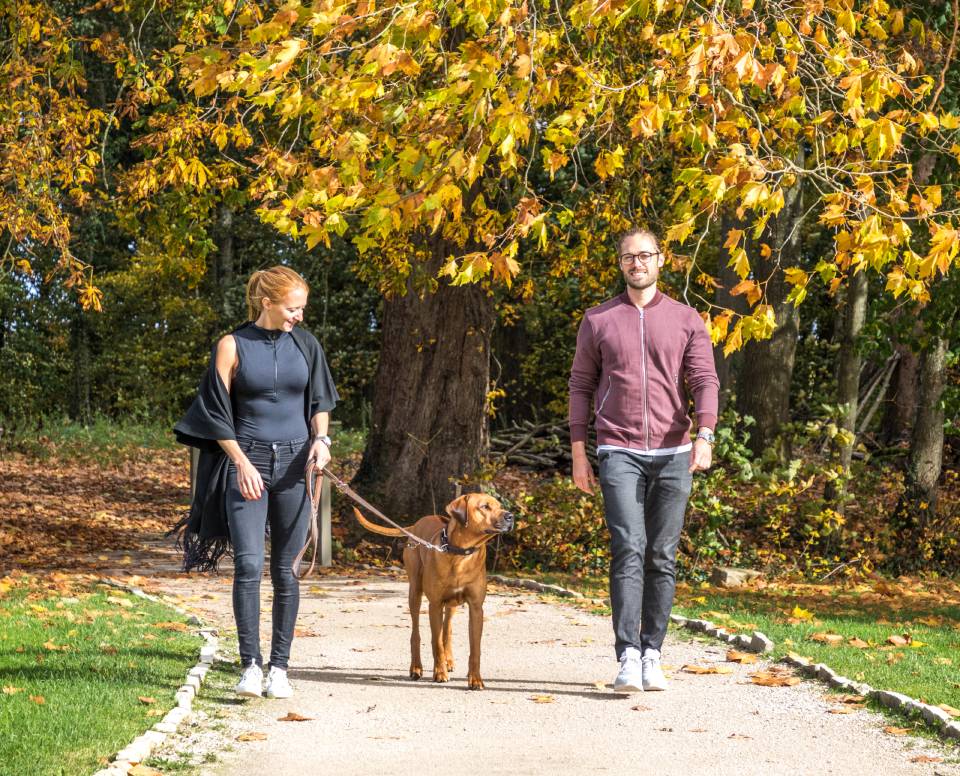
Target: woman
(261,414)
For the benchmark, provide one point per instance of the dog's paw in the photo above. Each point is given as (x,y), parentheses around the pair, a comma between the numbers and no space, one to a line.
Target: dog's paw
(475,682)
(416,672)
(450,664)
(440,675)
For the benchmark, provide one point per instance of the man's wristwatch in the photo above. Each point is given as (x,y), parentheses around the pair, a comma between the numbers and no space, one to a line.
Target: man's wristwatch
(325,439)
(706,435)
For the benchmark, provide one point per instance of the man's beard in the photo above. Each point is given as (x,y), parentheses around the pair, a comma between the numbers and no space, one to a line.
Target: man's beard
(639,283)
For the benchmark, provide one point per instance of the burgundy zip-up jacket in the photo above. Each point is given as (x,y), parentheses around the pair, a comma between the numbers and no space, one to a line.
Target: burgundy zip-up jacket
(632,363)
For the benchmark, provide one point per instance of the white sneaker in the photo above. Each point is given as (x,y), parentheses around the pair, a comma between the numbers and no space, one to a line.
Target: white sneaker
(277,684)
(653,678)
(251,682)
(630,678)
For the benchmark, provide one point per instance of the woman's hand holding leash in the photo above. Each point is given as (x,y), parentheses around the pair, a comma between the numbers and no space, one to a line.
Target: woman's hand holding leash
(319,454)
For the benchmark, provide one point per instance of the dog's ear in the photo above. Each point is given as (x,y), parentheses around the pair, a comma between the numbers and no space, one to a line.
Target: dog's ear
(457,509)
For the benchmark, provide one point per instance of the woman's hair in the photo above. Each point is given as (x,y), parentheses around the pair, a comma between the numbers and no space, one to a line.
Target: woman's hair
(636,231)
(274,284)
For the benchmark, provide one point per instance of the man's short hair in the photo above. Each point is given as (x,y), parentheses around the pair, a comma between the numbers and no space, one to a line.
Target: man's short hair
(636,231)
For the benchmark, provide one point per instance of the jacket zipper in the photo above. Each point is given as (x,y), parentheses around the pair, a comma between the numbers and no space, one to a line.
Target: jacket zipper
(643,359)
(276,374)
(604,399)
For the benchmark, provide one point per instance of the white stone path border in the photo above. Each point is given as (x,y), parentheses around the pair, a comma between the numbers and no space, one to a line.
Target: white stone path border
(141,747)
(936,718)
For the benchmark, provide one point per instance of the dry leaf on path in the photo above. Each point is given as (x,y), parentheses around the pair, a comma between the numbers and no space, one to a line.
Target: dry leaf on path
(897,731)
(741,657)
(693,669)
(144,770)
(950,710)
(600,685)
(252,736)
(841,710)
(542,698)
(774,679)
(925,758)
(292,716)
(739,735)
(640,707)
(848,698)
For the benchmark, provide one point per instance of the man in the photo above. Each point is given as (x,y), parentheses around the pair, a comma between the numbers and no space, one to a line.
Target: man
(634,354)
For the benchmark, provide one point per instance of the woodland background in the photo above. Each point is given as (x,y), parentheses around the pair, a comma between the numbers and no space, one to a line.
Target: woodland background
(449,178)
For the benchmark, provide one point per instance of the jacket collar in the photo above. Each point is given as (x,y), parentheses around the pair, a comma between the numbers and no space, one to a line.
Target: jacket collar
(657,298)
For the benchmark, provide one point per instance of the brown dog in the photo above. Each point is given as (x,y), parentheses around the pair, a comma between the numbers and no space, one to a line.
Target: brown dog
(449,578)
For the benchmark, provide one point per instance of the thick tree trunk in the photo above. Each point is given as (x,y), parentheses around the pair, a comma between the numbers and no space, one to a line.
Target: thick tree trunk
(763,385)
(223,268)
(848,385)
(918,505)
(428,426)
(728,367)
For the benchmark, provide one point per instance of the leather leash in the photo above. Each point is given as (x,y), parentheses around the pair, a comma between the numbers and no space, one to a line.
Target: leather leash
(314,475)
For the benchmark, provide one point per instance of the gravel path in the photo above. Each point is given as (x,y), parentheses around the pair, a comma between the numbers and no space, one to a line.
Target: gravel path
(548,706)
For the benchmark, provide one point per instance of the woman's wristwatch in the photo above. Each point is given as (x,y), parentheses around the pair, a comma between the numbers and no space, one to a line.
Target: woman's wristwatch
(706,435)
(324,438)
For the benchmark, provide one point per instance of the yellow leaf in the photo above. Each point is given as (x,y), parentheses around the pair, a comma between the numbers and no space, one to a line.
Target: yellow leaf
(542,698)
(774,679)
(801,614)
(741,657)
(252,736)
(717,669)
(827,638)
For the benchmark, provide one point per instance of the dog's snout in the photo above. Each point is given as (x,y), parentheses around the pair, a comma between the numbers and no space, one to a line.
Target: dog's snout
(506,519)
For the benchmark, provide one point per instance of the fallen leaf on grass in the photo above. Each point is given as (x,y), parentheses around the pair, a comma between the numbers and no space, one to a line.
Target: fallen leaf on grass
(126,603)
(11,690)
(925,758)
(897,731)
(943,661)
(741,657)
(172,626)
(898,641)
(950,710)
(858,643)
(38,699)
(692,669)
(146,699)
(154,712)
(252,736)
(774,679)
(827,638)
(542,698)
(801,614)
(795,656)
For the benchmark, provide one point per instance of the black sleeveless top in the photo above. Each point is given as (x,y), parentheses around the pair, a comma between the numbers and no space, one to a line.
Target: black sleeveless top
(268,386)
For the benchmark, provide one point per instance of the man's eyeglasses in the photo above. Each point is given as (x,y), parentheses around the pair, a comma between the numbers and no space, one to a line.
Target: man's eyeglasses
(644,257)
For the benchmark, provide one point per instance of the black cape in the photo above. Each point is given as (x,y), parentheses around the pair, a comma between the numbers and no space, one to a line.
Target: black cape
(204,534)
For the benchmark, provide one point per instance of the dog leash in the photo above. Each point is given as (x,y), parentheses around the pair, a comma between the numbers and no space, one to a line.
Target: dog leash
(444,546)
(314,475)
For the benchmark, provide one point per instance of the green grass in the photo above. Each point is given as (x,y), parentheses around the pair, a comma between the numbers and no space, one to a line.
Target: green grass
(102,441)
(928,669)
(929,672)
(74,661)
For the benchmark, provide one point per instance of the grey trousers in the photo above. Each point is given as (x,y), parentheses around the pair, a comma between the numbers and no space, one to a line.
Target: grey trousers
(644,500)
(285,505)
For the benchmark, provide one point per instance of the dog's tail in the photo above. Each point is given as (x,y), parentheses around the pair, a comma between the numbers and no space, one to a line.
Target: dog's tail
(378,529)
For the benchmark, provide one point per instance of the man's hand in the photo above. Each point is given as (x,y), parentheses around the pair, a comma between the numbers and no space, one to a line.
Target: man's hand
(583,476)
(701,456)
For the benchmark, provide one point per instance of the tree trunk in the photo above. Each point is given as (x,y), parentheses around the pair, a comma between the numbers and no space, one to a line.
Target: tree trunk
(80,406)
(428,427)
(848,385)
(728,367)
(918,505)
(223,273)
(901,397)
(763,386)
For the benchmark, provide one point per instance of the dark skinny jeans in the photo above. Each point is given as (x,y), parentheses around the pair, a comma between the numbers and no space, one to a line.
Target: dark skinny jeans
(644,499)
(285,505)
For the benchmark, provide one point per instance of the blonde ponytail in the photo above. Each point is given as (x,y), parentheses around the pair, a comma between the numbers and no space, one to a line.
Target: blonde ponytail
(273,284)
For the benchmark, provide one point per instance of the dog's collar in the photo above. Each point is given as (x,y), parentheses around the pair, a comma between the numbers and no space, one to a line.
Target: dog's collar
(445,545)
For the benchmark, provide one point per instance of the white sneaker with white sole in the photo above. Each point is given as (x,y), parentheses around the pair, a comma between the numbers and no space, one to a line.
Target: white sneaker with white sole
(653,678)
(278,686)
(630,677)
(251,682)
